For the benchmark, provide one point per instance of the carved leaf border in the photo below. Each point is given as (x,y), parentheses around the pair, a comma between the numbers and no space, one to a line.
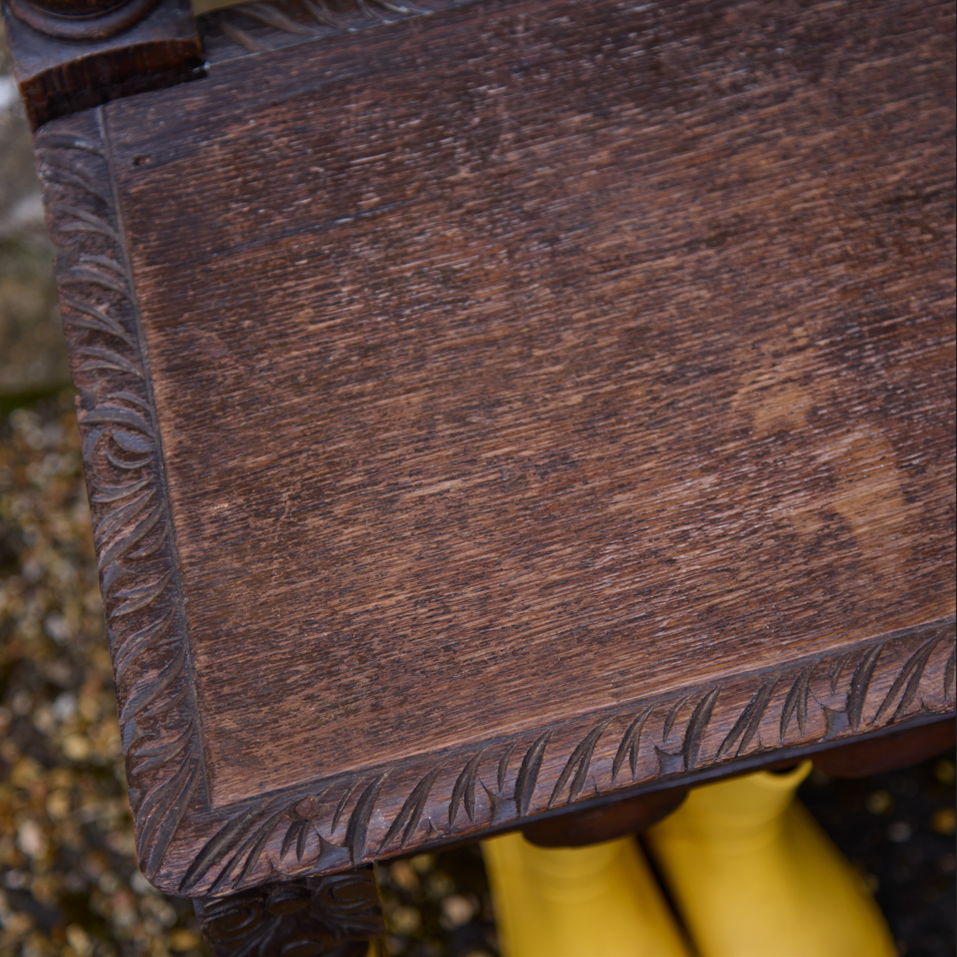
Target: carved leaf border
(879,683)
(261,27)
(123,464)
(343,822)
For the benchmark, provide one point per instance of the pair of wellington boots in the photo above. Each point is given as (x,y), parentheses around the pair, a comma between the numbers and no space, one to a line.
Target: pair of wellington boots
(750,873)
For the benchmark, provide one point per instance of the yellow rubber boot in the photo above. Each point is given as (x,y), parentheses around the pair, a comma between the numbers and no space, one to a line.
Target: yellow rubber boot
(596,901)
(753,875)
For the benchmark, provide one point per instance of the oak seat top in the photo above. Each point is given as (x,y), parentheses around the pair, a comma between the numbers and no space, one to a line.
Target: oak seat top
(508,408)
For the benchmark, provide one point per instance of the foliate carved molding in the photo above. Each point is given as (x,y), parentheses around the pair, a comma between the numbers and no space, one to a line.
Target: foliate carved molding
(125,482)
(345,821)
(333,916)
(360,818)
(249,28)
(72,55)
(81,21)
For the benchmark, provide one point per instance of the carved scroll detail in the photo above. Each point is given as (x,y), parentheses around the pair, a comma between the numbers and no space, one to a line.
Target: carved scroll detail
(124,476)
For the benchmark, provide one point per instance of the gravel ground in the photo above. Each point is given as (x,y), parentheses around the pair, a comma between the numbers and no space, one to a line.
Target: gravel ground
(69,884)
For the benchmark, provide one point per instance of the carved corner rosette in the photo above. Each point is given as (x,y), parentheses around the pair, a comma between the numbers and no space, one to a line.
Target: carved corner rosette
(360,818)
(125,482)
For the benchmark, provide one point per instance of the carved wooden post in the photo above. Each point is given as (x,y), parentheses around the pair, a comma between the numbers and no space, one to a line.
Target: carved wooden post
(81,19)
(313,917)
(72,54)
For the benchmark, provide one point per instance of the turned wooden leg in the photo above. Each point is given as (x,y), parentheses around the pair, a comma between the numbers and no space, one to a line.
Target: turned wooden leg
(333,916)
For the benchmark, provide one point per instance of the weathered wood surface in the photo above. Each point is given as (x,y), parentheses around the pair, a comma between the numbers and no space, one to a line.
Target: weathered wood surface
(501,409)
(69,55)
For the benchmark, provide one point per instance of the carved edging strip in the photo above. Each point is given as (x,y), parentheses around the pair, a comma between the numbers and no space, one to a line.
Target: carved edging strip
(249,28)
(338,824)
(350,820)
(122,460)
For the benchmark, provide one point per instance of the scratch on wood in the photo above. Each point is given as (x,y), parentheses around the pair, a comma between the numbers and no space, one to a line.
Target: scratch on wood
(464,789)
(411,812)
(750,720)
(359,821)
(911,673)
(503,765)
(672,715)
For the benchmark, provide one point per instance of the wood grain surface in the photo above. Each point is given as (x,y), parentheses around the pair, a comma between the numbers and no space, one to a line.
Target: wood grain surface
(553,400)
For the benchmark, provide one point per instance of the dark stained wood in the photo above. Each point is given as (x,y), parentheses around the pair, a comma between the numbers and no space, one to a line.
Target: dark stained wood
(69,55)
(546,402)
(80,19)
(314,917)
(125,483)
(863,757)
(235,31)
(890,752)
(607,823)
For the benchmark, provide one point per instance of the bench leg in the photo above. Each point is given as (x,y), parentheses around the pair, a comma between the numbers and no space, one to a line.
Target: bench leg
(334,916)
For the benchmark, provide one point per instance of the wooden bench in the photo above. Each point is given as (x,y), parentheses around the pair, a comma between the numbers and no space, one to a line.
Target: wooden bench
(506,415)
